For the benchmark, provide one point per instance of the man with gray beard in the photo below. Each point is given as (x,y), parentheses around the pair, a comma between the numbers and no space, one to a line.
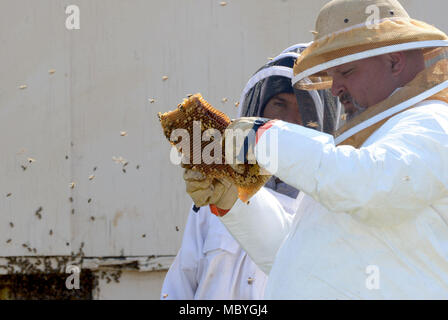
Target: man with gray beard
(373,221)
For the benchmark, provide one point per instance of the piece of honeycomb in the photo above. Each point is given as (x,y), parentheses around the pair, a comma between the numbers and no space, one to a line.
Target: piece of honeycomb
(249,178)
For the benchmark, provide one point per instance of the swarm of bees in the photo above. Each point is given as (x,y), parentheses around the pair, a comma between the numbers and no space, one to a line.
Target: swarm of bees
(38,278)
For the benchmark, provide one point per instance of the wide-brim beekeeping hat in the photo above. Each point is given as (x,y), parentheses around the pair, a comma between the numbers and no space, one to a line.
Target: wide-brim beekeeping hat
(275,77)
(351,30)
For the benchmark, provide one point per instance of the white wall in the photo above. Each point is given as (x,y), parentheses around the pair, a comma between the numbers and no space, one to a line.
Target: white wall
(105,74)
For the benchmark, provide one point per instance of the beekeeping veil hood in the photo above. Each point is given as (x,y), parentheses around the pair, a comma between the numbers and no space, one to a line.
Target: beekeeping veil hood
(351,30)
(275,78)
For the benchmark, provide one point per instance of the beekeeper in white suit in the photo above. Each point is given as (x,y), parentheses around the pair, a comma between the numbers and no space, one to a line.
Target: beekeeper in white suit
(373,221)
(210,263)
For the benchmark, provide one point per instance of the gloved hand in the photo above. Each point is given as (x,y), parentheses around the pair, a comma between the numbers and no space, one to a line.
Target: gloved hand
(241,148)
(204,191)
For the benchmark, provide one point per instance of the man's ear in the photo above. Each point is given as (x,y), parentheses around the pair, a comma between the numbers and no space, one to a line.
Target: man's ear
(397,62)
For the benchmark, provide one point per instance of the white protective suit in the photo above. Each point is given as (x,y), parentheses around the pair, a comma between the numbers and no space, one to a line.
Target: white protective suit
(374,221)
(212,265)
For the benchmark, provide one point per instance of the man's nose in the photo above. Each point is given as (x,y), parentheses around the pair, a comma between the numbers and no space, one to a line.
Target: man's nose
(337,88)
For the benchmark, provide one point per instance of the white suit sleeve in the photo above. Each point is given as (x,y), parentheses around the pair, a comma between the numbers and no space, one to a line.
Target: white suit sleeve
(181,280)
(402,170)
(260,227)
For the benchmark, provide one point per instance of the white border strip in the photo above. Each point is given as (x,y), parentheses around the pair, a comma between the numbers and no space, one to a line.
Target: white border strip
(368,54)
(389,112)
